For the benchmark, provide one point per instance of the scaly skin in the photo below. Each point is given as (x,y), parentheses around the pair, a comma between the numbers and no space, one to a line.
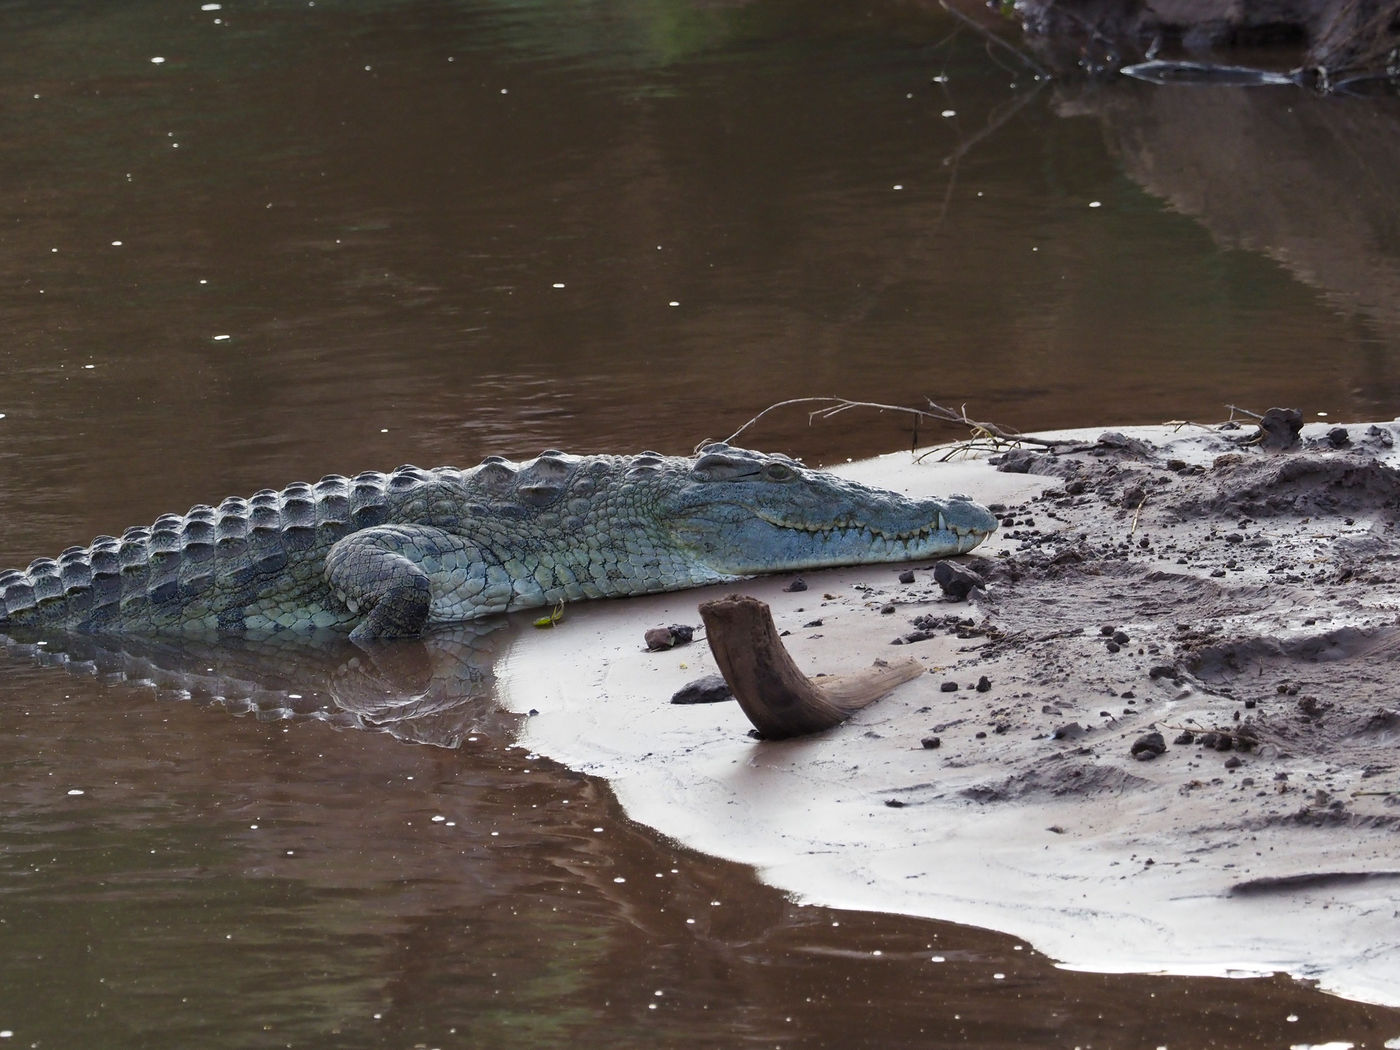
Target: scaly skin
(391,555)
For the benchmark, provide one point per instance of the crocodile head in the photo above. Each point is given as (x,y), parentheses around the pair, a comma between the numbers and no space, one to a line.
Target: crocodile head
(741,512)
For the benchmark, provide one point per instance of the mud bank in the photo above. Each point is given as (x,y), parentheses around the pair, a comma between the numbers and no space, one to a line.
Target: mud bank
(1164,735)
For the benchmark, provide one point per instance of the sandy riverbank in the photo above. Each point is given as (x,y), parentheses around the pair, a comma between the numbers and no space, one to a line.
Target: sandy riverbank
(1164,580)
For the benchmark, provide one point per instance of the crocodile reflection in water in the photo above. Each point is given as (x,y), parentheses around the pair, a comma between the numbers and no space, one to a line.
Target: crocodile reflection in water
(436,690)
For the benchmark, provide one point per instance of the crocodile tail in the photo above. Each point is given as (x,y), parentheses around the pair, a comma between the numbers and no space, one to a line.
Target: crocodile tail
(16,594)
(49,590)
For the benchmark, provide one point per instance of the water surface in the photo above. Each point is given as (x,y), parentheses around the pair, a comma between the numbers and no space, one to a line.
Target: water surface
(259,242)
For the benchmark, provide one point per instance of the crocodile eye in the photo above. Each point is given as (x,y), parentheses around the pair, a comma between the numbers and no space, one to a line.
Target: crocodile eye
(778,472)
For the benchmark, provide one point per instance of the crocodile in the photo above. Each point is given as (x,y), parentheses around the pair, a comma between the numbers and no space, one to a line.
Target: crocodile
(392,555)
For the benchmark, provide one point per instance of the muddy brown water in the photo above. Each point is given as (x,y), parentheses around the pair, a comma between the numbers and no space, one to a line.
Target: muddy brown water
(255,242)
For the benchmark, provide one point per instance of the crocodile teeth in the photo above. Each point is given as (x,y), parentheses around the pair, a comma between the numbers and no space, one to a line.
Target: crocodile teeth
(846,528)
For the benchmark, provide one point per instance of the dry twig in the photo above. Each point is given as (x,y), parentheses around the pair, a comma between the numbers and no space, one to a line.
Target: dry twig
(984,435)
(1136,515)
(992,38)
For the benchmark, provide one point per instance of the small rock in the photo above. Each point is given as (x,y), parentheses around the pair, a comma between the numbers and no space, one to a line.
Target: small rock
(931,742)
(659,638)
(1312,706)
(895,803)
(797,584)
(1280,427)
(1234,762)
(1068,731)
(712,689)
(1121,442)
(907,576)
(1016,461)
(1121,637)
(949,687)
(983,684)
(1382,435)
(1338,437)
(1148,746)
(956,581)
(1185,737)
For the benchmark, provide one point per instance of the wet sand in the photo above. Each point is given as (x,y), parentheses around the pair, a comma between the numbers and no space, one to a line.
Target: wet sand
(1239,602)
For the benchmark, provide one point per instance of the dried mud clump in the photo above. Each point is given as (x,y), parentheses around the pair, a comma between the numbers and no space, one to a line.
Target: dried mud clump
(1057,777)
(1304,485)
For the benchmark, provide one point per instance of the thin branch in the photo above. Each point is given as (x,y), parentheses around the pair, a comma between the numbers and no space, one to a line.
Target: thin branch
(841,402)
(1242,411)
(1007,110)
(1136,515)
(993,38)
(986,435)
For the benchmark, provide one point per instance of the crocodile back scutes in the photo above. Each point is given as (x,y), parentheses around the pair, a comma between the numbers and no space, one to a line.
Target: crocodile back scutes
(220,552)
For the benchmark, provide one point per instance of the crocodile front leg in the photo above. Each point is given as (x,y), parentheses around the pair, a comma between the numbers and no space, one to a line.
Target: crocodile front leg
(389,571)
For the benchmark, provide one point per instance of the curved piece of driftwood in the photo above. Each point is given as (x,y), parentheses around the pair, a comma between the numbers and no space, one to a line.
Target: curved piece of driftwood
(778,698)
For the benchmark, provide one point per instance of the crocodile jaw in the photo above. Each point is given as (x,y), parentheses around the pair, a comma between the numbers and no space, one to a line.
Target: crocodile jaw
(941,535)
(763,542)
